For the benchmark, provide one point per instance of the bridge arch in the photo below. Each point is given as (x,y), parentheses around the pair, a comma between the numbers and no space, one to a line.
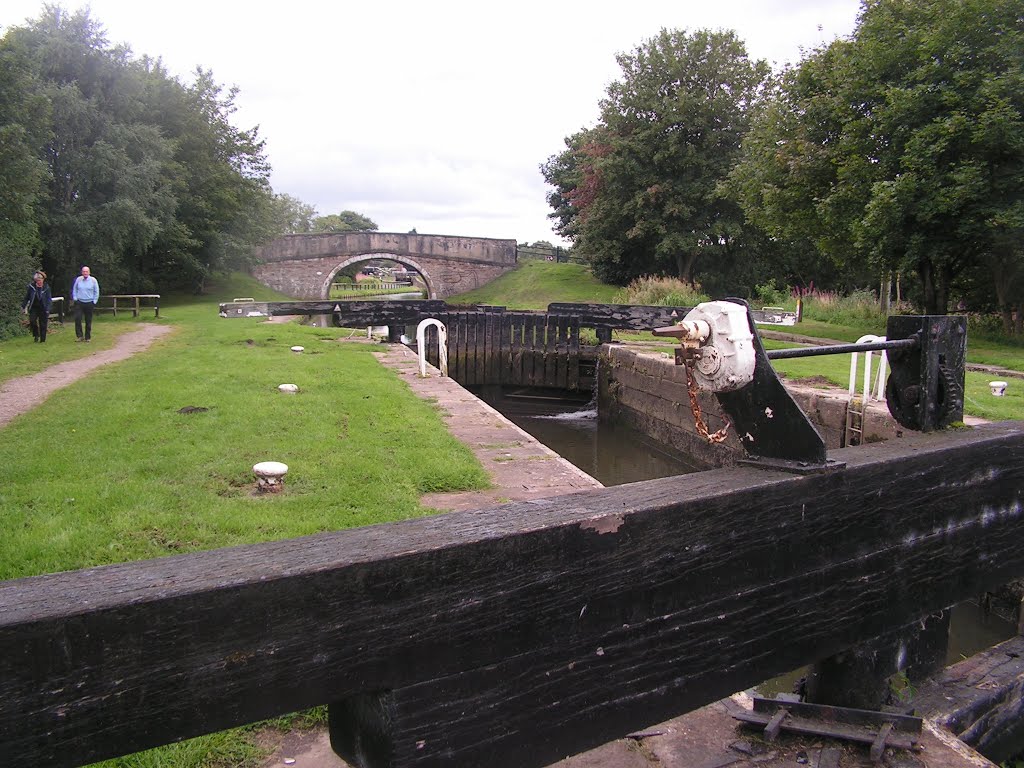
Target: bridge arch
(302,266)
(325,289)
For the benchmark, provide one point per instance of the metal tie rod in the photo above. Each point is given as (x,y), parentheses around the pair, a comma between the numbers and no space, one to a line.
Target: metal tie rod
(839,349)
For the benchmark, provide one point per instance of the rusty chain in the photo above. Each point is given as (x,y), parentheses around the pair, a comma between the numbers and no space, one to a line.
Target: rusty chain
(698,417)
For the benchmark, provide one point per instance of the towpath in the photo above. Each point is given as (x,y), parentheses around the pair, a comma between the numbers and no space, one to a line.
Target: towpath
(20,395)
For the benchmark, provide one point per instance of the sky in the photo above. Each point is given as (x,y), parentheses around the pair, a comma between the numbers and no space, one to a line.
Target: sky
(430,115)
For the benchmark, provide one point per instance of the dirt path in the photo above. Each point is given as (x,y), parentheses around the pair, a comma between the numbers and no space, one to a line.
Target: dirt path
(23,394)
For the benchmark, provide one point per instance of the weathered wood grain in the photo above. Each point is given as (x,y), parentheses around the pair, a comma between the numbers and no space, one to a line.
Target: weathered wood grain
(514,635)
(981,700)
(621,316)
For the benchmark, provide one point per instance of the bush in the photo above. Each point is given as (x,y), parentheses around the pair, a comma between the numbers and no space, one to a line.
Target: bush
(857,309)
(770,294)
(19,263)
(660,291)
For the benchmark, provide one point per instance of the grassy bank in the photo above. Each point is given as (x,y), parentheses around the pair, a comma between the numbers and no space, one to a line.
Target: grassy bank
(535,284)
(109,469)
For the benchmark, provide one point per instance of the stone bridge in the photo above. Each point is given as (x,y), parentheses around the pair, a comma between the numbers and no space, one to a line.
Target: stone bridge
(303,266)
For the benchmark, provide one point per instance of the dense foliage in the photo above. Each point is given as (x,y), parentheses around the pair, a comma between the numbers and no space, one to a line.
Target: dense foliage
(107,160)
(903,149)
(896,152)
(346,221)
(640,193)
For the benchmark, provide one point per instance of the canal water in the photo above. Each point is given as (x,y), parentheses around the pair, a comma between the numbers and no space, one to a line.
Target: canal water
(613,454)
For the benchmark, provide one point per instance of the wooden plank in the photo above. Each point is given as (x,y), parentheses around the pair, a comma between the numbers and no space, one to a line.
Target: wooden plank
(515,349)
(551,352)
(622,316)
(514,636)
(824,712)
(518,332)
(469,377)
(462,321)
(505,354)
(881,741)
(494,347)
(452,325)
(812,727)
(540,365)
(480,324)
(529,341)
(774,725)
(573,362)
(562,351)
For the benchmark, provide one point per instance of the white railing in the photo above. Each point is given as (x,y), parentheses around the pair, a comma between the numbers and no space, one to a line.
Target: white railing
(442,346)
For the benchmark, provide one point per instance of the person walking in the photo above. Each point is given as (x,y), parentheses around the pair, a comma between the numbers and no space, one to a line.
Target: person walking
(84,293)
(37,306)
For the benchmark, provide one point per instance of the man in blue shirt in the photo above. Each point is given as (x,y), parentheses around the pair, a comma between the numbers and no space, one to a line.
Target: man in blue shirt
(84,293)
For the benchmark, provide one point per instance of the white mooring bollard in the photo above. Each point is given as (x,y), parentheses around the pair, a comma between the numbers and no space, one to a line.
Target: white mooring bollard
(998,388)
(269,476)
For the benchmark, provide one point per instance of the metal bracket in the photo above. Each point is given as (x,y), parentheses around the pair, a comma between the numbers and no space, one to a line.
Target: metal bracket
(925,390)
(774,430)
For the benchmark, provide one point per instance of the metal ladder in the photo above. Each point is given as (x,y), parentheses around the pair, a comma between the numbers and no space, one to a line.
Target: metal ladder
(856,407)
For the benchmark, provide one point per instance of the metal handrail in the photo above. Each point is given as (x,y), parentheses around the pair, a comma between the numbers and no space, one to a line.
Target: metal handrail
(839,349)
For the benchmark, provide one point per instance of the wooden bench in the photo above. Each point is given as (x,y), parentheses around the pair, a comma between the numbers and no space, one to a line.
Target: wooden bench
(57,309)
(135,300)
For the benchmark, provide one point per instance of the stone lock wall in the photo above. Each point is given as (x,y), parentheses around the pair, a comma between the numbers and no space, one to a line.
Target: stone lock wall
(647,390)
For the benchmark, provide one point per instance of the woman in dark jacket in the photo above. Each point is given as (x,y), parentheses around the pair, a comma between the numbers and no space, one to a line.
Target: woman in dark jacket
(37,305)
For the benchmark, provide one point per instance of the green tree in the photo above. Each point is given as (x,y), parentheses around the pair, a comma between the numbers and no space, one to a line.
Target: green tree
(346,221)
(226,206)
(149,182)
(292,216)
(640,193)
(903,147)
(108,194)
(24,121)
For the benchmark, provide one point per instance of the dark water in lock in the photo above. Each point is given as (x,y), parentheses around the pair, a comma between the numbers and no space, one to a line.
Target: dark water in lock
(613,454)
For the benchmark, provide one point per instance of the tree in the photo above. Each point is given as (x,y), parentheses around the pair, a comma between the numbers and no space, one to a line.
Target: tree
(24,120)
(639,194)
(292,216)
(903,148)
(148,180)
(108,193)
(346,221)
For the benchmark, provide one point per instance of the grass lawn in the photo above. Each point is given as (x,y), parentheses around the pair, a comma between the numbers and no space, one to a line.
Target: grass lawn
(108,470)
(535,284)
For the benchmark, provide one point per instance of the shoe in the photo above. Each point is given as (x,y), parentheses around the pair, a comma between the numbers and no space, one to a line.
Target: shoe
(79,339)
(88,339)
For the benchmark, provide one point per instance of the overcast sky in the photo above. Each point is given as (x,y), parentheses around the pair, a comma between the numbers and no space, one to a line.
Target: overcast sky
(433,115)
